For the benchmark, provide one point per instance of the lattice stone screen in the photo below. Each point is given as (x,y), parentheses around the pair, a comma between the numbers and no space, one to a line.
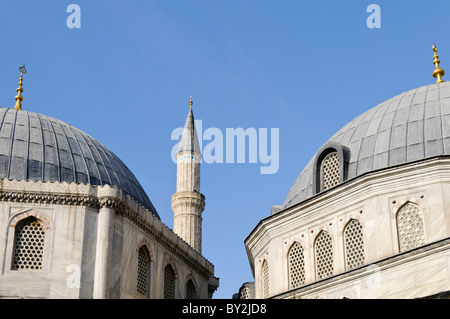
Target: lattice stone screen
(143,271)
(190,290)
(323,249)
(410,226)
(296,266)
(29,245)
(245,293)
(265,279)
(330,174)
(354,245)
(169,283)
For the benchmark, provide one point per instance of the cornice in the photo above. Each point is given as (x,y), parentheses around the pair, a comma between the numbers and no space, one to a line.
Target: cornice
(98,197)
(48,199)
(362,187)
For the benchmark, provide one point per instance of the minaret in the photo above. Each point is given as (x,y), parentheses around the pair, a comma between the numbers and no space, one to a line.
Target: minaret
(188,203)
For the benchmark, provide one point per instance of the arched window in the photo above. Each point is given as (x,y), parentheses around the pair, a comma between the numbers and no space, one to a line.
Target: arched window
(265,279)
(191,291)
(296,266)
(323,249)
(169,282)
(329,171)
(143,271)
(29,239)
(330,166)
(410,227)
(353,245)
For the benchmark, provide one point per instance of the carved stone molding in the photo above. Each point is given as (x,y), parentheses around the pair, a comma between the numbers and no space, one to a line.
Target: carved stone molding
(124,206)
(188,199)
(108,202)
(56,199)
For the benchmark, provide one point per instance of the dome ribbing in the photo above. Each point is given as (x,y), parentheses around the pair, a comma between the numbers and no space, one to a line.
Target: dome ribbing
(37,147)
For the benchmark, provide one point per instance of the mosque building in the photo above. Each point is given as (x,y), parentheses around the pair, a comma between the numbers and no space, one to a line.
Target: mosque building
(369,215)
(76,223)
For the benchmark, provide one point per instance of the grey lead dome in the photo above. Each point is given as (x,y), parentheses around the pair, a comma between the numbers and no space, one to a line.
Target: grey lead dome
(412,126)
(37,147)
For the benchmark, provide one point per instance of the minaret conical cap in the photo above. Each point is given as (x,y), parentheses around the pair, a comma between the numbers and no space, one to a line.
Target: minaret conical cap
(189,139)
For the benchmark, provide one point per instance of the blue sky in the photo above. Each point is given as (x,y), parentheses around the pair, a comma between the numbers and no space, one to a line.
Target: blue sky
(304,67)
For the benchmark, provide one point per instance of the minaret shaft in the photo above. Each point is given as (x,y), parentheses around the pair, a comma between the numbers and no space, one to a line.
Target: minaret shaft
(188,203)
(188,173)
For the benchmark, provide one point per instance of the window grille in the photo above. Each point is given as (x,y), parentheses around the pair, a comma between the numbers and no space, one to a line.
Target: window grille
(265,279)
(169,283)
(324,256)
(330,174)
(296,266)
(354,244)
(29,245)
(143,271)
(245,293)
(190,290)
(410,226)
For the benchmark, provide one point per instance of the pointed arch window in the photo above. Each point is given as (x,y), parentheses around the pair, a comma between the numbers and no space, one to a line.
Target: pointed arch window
(410,227)
(191,291)
(296,266)
(323,250)
(143,271)
(169,282)
(265,279)
(353,244)
(29,240)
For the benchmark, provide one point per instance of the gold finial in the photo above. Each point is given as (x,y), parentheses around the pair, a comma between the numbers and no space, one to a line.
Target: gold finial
(19,90)
(438,73)
(190,102)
